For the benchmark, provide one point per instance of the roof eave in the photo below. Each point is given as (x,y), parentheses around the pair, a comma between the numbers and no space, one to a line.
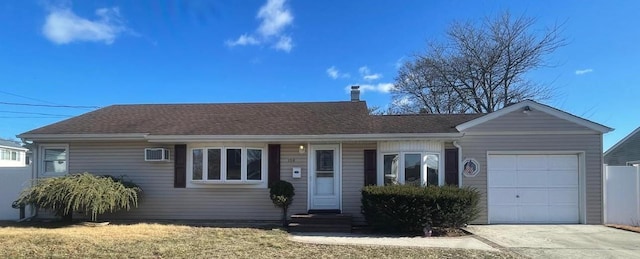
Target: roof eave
(548,109)
(14,148)
(83,137)
(617,144)
(238,138)
(302,138)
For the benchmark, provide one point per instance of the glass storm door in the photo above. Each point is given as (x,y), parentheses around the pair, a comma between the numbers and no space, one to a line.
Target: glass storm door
(324,191)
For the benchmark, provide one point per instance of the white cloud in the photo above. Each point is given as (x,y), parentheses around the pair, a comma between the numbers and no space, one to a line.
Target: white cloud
(366,74)
(364,70)
(584,71)
(399,63)
(372,77)
(404,101)
(275,17)
(62,26)
(334,73)
(380,88)
(284,44)
(243,40)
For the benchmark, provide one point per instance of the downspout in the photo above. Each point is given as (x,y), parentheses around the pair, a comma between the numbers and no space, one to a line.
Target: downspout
(34,148)
(455,144)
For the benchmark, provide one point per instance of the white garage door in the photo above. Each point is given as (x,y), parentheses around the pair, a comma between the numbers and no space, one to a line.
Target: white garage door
(533,189)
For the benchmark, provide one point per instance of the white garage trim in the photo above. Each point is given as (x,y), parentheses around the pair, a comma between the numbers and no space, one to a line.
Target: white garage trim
(581,177)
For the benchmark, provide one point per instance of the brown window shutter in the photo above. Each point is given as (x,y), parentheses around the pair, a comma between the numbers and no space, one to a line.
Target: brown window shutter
(370,168)
(274,164)
(180,166)
(451,166)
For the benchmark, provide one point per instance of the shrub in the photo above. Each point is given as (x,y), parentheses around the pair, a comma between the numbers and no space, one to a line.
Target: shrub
(403,208)
(281,194)
(91,194)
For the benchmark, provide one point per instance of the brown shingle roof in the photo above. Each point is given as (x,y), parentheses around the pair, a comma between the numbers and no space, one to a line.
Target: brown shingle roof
(420,123)
(312,118)
(219,119)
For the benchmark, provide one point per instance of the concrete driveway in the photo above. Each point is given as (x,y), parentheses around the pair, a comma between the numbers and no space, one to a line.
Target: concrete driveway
(561,241)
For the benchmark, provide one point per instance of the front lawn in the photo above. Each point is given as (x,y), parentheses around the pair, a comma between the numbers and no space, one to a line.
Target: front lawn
(177,241)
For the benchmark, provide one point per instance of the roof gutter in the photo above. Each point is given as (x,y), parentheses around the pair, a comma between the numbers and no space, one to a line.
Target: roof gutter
(14,148)
(83,137)
(298,138)
(236,138)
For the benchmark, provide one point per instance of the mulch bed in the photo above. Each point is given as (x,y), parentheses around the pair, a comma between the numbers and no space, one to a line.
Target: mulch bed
(625,227)
(436,232)
(448,232)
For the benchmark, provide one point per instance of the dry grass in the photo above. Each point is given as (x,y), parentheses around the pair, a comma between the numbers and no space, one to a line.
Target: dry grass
(175,241)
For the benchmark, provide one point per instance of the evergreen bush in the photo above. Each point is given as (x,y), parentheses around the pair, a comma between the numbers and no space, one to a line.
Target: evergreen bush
(409,209)
(91,194)
(281,194)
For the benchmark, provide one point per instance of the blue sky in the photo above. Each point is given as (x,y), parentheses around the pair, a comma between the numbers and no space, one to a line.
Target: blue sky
(98,53)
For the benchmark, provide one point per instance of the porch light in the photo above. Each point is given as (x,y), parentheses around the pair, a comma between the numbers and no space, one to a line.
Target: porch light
(301,149)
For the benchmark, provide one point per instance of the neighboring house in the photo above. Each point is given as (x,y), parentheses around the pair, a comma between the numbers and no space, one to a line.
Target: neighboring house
(14,176)
(531,163)
(12,154)
(626,151)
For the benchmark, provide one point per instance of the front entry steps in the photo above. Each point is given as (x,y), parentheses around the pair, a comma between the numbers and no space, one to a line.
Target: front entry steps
(334,223)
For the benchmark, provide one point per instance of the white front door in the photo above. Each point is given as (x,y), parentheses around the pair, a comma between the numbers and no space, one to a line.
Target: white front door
(533,188)
(324,177)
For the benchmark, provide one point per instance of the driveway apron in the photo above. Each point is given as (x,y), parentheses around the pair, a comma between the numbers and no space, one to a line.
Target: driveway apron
(561,241)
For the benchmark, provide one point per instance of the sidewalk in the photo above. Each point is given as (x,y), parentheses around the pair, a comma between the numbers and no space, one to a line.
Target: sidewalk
(464,242)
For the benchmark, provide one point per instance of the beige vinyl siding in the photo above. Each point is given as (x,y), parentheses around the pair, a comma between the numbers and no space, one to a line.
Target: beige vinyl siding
(353,178)
(160,199)
(625,152)
(591,144)
(527,122)
(290,157)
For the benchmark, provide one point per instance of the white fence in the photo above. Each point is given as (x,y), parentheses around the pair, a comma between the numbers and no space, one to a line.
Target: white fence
(622,195)
(12,181)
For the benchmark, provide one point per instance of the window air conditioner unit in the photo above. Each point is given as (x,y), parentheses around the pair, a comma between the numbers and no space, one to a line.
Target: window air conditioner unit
(156,154)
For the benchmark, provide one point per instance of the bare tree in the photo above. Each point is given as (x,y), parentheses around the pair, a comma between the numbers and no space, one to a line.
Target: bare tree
(477,69)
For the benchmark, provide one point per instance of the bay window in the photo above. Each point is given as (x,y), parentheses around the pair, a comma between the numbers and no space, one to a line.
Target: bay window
(411,168)
(391,163)
(226,165)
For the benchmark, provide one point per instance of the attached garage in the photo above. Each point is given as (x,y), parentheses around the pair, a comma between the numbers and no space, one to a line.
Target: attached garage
(533,188)
(535,165)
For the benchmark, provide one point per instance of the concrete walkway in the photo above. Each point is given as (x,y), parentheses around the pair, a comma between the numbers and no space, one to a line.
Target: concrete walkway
(562,241)
(465,242)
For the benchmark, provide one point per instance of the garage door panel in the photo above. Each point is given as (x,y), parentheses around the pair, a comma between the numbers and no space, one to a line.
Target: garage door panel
(531,197)
(563,178)
(503,214)
(563,162)
(563,196)
(502,178)
(540,189)
(533,213)
(502,162)
(531,162)
(532,178)
(564,214)
(503,196)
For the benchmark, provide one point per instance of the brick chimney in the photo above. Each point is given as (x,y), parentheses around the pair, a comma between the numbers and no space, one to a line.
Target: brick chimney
(355,93)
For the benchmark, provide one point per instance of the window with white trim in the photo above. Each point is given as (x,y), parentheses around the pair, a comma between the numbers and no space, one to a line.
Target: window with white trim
(10,155)
(53,159)
(227,165)
(411,168)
